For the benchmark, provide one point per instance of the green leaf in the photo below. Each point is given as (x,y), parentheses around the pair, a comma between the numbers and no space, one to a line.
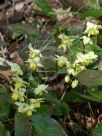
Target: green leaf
(50,97)
(92,13)
(4,103)
(97,95)
(48,62)
(4,111)
(76,30)
(90,77)
(2,130)
(73,96)
(96,98)
(44,109)
(60,108)
(4,97)
(97,131)
(46,126)
(93,94)
(62,71)
(74,48)
(45,7)
(56,107)
(24,29)
(22,125)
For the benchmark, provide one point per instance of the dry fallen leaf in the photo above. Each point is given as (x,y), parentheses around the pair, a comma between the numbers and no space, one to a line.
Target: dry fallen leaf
(6,75)
(16,57)
(90,122)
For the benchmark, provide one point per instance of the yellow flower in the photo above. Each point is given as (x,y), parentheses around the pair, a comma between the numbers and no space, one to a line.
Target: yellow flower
(34,52)
(41,89)
(18,94)
(36,102)
(19,83)
(34,58)
(71,71)
(92,56)
(37,61)
(85,59)
(15,68)
(21,106)
(74,83)
(15,96)
(25,108)
(29,113)
(92,29)
(65,41)
(87,40)
(80,68)
(67,79)
(62,61)
(32,65)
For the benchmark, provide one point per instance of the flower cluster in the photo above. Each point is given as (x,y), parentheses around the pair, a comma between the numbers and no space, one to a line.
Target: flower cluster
(29,107)
(86,40)
(15,68)
(19,88)
(91,30)
(34,58)
(81,62)
(85,59)
(62,61)
(66,41)
(26,105)
(18,94)
(41,89)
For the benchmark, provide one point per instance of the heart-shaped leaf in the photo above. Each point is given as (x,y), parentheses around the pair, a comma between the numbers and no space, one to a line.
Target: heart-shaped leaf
(4,96)
(46,126)
(90,77)
(4,111)
(92,13)
(22,125)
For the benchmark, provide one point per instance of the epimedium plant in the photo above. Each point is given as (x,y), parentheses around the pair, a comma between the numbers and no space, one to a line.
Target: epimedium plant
(27,96)
(31,98)
(77,60)
(19,86)
(81,65)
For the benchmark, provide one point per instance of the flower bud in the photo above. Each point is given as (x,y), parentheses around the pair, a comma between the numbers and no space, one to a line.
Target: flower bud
(37,105)
(67,78)
(15,96)
(74,83)
(29,113)
(32,66)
